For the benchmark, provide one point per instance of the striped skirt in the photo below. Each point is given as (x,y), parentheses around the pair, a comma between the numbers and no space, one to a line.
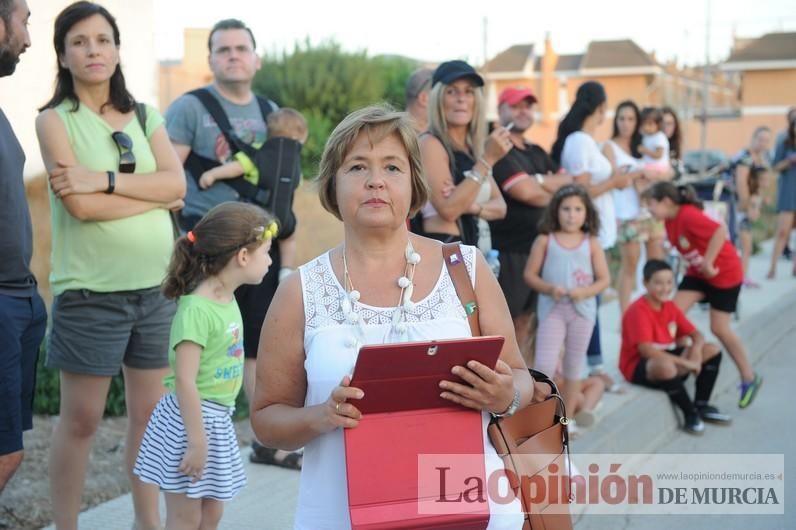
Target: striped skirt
(164,445)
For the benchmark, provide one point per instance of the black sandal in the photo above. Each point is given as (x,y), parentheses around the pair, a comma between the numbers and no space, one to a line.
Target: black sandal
(265,455)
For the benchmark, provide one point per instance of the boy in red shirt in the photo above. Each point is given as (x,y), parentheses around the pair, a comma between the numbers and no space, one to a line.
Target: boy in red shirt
(660,348)
(714,274)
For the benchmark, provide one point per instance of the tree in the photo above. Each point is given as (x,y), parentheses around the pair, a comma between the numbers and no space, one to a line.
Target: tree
(325,84)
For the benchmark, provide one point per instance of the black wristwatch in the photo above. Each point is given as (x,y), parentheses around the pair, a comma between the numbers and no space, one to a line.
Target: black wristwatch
(111,182)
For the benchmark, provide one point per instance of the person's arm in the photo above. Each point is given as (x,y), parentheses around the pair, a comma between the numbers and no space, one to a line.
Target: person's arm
(648,350)
(287,255)
(54,146)
(602,276)
(449,201)
(278,415)
(533,270)
(182,152)
(781,161)
(492,390)
(694,351)
(230,170)
(657,153)
(188,355)
(495,207)
(742,186)
(164,185)
(713,248)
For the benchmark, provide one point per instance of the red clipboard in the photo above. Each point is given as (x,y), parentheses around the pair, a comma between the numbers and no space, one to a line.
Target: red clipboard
(406,376)
(404,417)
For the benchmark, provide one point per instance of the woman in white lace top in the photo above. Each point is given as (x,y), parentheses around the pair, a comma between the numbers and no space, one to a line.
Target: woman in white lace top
(360,293)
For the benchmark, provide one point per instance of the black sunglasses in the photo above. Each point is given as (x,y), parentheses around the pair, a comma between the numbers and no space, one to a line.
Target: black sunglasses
(125,146)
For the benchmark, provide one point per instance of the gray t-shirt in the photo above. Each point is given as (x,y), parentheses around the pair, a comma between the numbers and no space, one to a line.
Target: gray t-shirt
(16,233)
(189,123)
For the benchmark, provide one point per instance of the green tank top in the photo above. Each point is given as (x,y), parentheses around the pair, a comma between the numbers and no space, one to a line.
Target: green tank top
(108,256)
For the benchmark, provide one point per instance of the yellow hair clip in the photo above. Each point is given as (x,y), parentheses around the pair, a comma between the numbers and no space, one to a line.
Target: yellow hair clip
(270,231)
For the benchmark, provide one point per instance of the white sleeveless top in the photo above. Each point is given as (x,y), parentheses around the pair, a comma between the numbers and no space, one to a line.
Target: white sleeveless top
(323,494)
(626,200)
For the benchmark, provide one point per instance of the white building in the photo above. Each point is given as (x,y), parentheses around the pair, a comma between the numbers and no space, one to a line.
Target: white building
(32,83)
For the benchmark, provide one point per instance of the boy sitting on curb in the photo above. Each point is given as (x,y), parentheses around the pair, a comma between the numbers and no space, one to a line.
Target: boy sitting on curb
(657,353)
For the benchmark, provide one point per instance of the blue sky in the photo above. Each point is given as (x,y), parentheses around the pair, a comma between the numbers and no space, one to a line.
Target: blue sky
(444,29)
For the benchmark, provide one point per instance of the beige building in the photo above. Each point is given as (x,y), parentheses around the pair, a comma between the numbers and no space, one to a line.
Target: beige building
(766,68)
(32,84)
(178,77)
(625,70)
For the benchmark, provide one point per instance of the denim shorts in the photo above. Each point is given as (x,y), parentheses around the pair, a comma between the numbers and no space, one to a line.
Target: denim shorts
(23,321)
(94,333)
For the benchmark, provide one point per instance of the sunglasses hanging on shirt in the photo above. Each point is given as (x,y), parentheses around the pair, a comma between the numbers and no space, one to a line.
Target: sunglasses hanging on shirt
(125,146)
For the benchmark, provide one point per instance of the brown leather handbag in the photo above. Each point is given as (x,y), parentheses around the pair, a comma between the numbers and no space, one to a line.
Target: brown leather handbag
(534,442)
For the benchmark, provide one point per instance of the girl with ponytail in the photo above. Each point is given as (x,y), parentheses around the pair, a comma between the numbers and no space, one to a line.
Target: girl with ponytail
(189,448)
(714,274)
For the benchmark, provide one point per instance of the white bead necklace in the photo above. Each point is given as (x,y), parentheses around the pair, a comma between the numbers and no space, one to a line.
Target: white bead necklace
(405,303)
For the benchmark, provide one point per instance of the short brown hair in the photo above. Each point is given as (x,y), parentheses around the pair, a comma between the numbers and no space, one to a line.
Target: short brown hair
(378,121)
(288,123)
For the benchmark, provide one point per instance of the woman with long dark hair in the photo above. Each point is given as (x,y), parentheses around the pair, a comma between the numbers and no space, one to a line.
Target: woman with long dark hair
(113,177)
(634,224)
(577,152)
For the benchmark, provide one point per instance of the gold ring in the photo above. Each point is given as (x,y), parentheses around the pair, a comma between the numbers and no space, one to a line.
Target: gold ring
(337,407)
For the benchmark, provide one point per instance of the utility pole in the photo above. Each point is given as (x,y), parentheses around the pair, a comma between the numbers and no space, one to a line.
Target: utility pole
(703,144)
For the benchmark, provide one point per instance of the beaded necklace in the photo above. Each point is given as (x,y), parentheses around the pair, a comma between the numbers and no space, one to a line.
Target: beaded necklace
(405,304)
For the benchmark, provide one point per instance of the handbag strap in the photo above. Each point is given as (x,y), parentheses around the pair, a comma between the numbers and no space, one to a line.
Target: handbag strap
(452,254)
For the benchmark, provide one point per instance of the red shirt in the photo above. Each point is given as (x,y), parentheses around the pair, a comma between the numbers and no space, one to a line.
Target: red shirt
(643,323)
(690,231)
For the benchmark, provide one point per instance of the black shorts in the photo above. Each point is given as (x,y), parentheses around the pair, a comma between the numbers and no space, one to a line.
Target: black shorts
(519,296)
(254,301)
(720,299)
(640,373)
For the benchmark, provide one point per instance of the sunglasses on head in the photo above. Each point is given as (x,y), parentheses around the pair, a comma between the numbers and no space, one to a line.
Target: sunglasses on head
(125,146)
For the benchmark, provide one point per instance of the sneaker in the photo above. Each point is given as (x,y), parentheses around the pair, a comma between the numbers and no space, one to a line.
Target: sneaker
(694,424)
(711,414)
(750,283)
(749,391)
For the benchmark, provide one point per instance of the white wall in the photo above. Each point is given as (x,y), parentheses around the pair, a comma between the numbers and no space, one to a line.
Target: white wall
(32,83)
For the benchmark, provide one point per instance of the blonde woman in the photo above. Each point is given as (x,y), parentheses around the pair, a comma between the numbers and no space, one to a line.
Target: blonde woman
(458,157)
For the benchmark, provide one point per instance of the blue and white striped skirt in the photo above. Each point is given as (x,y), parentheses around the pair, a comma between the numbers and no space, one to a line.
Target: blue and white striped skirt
(165,442)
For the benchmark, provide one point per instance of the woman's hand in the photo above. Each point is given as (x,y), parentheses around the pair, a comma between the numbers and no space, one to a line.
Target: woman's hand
(577,294)
(497,145)
(194,459)
(622,180)
(337,412)
(484,389)
(66,180)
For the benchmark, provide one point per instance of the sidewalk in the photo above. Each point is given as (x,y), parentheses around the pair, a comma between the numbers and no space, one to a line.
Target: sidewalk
(638,421)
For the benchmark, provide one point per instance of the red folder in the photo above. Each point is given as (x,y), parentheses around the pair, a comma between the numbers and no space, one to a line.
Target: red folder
(404,417)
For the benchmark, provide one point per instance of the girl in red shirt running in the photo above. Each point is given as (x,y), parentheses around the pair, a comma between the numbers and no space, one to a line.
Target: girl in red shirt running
(714,272)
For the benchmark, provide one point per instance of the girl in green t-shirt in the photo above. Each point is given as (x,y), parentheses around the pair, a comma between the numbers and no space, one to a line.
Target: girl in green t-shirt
(190,450)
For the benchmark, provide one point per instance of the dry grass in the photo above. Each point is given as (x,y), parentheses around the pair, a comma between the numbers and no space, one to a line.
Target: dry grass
(317,229)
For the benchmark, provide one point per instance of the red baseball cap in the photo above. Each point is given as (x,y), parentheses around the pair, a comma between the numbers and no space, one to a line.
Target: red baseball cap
(514,95)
